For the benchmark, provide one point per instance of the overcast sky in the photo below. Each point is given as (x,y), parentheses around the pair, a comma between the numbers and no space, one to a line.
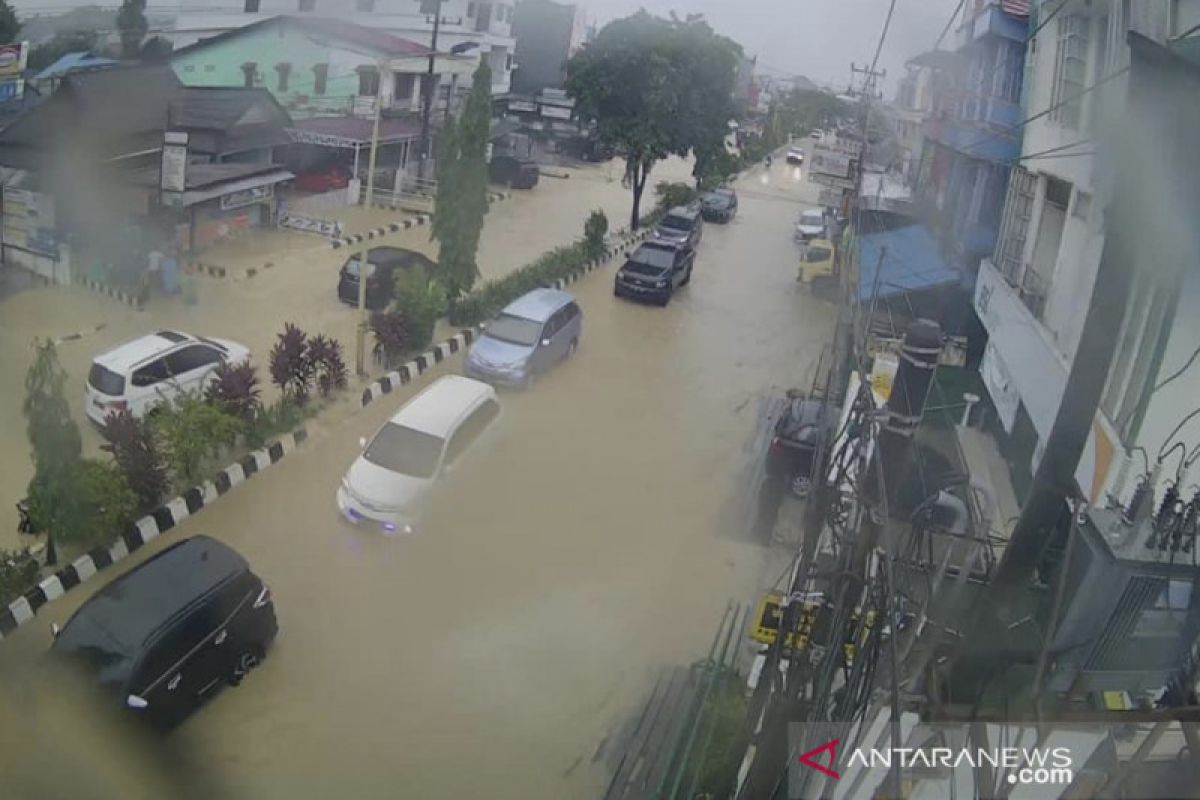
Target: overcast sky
(815,38)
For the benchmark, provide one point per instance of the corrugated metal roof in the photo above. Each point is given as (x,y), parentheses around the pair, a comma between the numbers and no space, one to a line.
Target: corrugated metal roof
(378,41)
(912,262)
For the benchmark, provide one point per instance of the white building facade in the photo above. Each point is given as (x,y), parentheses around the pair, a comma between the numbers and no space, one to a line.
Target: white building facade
(469,26)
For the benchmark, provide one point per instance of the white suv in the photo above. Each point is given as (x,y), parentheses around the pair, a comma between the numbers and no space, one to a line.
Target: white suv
(153,369)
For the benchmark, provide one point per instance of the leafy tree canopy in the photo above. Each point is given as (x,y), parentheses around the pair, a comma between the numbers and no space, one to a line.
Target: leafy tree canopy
(10,26)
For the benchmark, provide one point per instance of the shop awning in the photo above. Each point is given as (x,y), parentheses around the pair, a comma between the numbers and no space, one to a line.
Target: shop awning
(193,196)
(912,263)
(351,132)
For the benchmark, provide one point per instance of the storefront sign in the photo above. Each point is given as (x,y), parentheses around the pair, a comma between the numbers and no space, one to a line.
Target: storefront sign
(28,221)
(174,161)
(829,162)
(247,197)
(522,105)
(831,197)
(556,112)
(830,181)
(12,59)
(850,147)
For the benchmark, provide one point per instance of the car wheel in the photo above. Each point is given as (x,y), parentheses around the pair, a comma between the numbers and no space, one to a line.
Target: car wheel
(246,661)
(687,277)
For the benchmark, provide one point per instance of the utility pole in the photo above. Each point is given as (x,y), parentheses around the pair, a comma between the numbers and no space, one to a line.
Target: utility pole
(360,353)
(427,112)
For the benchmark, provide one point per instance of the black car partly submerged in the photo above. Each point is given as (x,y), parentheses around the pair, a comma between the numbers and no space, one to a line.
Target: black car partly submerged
(383,263)
(654,271)
(517,173)
(164,637)
(682,225)
(719,205)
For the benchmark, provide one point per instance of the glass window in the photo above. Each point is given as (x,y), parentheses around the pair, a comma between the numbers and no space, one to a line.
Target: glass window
(191,358)
(249,72)
(352,267)
(515,330)
(401,449)
(320,76)
(677,223)
(105,381)
(657,258)
(1070,70)
(251,6)
(166,652)
(152,373)
(471,429)
(816,254)
(404,85)
(368,82)
(282,71)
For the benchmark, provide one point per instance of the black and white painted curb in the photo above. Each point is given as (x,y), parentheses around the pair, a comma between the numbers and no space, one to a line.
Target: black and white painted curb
(382,230)
(140,533)
(459,341)
(117,294)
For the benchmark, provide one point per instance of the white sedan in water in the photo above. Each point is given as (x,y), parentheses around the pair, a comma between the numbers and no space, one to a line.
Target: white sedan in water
(388,485)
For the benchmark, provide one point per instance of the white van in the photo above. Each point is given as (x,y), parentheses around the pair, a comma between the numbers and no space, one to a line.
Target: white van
(388,483)
(153,369)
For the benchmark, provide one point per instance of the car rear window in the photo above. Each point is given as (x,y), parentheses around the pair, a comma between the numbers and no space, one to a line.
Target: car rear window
(105,381)
(677,223)
(401,449)
(816,254)
(649,260)
(352,268)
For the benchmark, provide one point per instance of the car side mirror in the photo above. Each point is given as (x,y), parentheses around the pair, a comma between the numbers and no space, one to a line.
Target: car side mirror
(545,342)
(136,701)
(362,441)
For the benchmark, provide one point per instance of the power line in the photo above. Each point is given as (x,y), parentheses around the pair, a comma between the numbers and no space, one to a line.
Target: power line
(949,23)
(887,22)
(1046,21)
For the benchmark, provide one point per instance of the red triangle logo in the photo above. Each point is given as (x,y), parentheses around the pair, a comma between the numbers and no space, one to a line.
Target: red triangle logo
(808,759)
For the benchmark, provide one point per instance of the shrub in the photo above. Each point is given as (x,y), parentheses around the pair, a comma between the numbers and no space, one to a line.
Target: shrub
(18,573)
(235,389)
(561,262)
(671,195)
(191,432)
(595,229)
(291,366)
(422,301)
(97,508)
(326,356)
(393,333)
(273,420)
(135,451)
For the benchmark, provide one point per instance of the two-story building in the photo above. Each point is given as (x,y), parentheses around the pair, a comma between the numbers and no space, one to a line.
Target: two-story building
(480,27)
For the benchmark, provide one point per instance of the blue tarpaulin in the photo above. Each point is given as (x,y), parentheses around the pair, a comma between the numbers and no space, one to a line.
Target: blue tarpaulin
(73,62)
(912,262)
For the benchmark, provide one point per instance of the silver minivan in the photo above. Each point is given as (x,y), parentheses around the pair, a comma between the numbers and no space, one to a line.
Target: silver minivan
(531,334)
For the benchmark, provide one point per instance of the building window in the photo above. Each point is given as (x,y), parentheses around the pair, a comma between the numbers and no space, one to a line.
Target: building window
(368,82)
(364,5)
(189,68)
(404,84)
(508,63)
(210,67)
(471,10)
(320,76)
(250,6)
(282,72)
(1083,205)
(1145,325)
(248,73)
(1070,70)
(307,5)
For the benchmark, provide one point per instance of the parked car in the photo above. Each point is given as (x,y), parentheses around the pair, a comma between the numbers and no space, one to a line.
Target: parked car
(817,261)
(795,155)
(382,266)
(323,179)
(138,375)
(532,333)
(719,205)
(518,173)
(165,636)
(388,485)
(794,443)
(811,225)
(654,270)
(682,225)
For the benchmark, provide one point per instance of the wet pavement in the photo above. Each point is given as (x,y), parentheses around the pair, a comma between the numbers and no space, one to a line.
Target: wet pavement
(592,537)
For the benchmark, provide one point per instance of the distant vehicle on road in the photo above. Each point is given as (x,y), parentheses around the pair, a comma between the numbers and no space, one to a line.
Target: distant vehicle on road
(388,484)
(817,261)
(682,225)
(152,369)
(532,333)
(811,225)
(324,179)
(654,271)
(719,205)
(794,443)
(382,265)
(164,637)
(795,155)
(516,173)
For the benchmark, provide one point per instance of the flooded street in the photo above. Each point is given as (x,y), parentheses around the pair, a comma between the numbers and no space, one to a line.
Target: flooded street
(593,536)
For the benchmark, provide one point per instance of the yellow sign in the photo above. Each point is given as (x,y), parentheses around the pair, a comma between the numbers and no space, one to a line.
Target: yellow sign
(12,59)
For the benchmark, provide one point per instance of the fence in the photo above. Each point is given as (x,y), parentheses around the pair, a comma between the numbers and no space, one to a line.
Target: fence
(314,205)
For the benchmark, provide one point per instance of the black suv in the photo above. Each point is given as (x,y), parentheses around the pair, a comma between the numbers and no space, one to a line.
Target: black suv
(382,264)
(517,173)
(682,225)
(719,205)
(654,270)
(164,637)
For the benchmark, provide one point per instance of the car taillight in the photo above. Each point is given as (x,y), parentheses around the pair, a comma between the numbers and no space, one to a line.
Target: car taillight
(264,597)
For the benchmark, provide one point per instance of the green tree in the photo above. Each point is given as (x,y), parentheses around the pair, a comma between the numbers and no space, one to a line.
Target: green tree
(655,87)
(132,27)
(156,50)
(56,447)
(10,26)
(461,201)
(192,432)
(595,229)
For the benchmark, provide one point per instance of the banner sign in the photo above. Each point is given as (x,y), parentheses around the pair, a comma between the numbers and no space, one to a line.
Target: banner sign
(829,162)
(13,58)
(247,197)
(830,181)
(174,161)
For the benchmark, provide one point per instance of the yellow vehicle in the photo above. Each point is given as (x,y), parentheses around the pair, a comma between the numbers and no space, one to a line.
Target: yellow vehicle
(816,261)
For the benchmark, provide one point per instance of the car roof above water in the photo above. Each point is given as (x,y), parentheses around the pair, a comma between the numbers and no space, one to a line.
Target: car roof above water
(124,356)
(538,305)
(443,403)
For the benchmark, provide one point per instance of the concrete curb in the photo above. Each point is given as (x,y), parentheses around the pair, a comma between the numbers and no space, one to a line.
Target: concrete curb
(140,533)
(383,230)
(459,341)
(116,294)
